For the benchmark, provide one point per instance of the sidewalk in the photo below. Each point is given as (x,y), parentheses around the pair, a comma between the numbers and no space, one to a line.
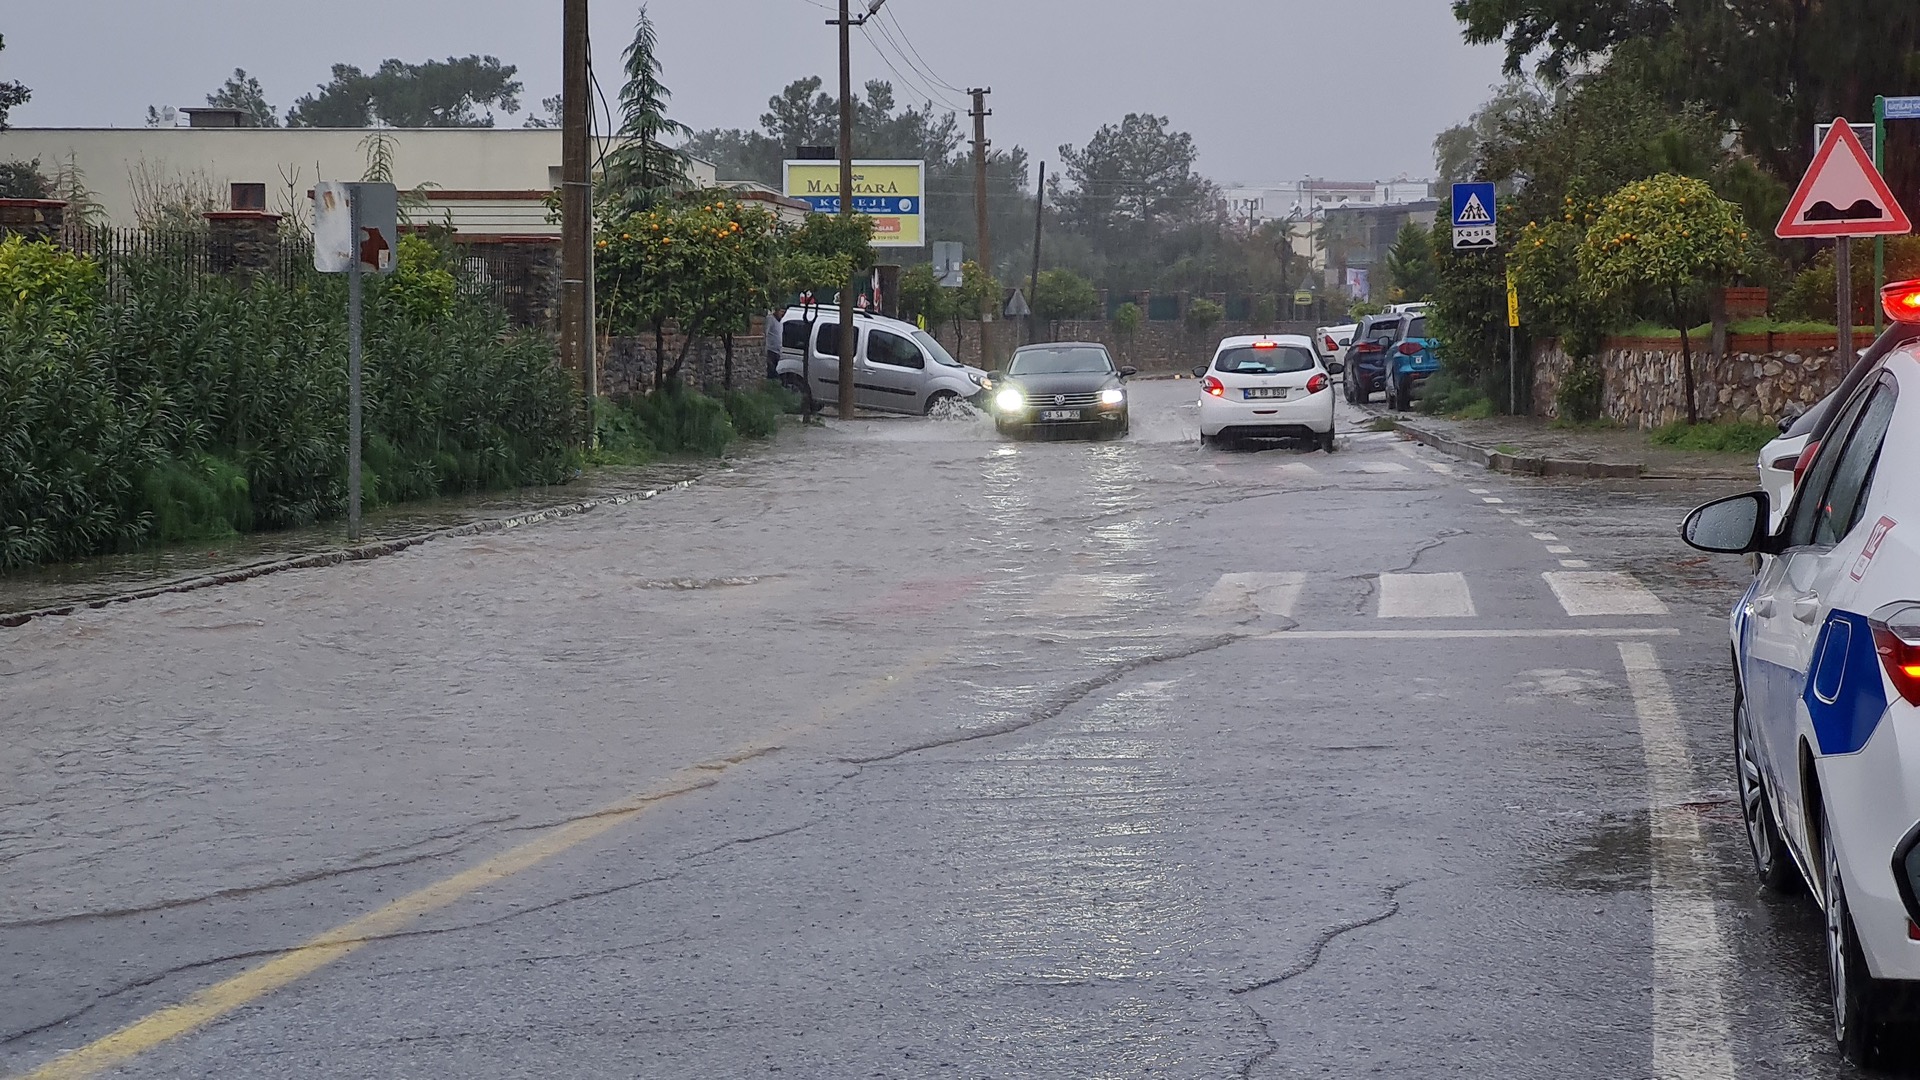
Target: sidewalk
(1534,447)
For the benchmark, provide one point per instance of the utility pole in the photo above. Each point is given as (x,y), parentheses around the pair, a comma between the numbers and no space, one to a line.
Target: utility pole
(1039,214)
(849,333)
(576,223)
(980,144)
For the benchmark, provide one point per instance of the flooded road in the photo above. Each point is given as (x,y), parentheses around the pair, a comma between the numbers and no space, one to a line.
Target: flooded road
(904,750)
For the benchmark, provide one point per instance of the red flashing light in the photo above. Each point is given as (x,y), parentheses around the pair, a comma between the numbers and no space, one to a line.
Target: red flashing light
(1896,637)
(1214,386)
(1902,301)
(1317,383)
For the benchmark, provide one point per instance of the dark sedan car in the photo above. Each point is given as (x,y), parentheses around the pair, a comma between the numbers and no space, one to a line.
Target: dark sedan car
(1062,386)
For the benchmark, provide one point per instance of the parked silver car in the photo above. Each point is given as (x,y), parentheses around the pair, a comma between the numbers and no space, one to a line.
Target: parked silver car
(898,367)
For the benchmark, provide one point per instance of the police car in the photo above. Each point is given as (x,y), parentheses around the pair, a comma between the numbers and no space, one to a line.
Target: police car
(1826,648)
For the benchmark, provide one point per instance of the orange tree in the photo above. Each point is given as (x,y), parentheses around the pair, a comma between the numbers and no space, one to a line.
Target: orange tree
(1664,236)
(705,264)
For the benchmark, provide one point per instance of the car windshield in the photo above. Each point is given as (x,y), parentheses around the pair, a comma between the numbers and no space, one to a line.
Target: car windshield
(1247,360)
(940,355)
(1418,327)
(1069,361)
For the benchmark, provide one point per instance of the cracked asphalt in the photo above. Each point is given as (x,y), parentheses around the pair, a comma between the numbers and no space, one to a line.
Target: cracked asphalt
(897,751)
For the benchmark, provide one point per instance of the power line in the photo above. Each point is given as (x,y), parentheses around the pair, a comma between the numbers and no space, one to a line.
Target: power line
(925,67)
(911,84)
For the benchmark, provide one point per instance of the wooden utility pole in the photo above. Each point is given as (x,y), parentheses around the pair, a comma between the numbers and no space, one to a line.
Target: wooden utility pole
(1039,215)
(980,144)
(849,333)
(576,222)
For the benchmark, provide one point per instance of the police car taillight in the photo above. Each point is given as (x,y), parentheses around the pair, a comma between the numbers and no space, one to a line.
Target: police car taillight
(1902,301)
(1896,637)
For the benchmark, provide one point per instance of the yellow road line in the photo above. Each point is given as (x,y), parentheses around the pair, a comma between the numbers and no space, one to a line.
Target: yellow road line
(301,960)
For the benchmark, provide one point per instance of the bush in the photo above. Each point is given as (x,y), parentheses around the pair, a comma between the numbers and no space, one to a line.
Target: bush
(54,289)
(1203,315)
(1444,395)
(194,408)
(1579,396)
(756,413)
(1727,438)
(421,285)
(681,421)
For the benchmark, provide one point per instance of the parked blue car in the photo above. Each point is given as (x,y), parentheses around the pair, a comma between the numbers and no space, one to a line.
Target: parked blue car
(1411,359)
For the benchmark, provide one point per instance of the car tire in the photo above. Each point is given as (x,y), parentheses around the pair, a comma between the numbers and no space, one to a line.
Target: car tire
(1346,391)
(1859,1000)
(935,400)
(1771,863)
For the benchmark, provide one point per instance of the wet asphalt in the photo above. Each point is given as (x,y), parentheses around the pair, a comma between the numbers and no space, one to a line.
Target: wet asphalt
(903,750)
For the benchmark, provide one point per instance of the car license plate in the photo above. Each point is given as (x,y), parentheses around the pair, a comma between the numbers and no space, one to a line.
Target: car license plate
(1060,414)
(1259,393)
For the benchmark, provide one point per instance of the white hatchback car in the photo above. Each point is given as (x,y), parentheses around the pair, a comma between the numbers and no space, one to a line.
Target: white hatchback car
(1270,387)
(1826,646)
(1332,342)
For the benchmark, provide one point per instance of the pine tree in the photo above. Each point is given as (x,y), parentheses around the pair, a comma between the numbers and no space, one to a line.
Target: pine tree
(644,170)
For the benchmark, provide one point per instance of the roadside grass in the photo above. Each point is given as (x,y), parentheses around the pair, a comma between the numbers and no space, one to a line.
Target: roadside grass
(1742,326)
(1383,423)
(1726,438)
(679,422)
(1508,449)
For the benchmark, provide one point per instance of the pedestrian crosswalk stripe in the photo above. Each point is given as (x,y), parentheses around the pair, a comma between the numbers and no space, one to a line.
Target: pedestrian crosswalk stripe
(1383,467)
(1602,593)
(1425,596)
(1559,549)
(1298,468)
(1089,594)
(1253,594)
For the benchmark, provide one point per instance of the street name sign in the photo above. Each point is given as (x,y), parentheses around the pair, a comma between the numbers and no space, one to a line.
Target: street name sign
(1842,194)
(1473,216)
(890,192)
(1903,108)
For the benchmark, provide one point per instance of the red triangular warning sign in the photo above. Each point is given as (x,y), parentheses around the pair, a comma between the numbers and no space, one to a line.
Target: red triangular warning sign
(1842,194)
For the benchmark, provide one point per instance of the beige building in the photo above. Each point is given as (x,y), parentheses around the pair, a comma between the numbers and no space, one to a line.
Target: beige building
(484,181)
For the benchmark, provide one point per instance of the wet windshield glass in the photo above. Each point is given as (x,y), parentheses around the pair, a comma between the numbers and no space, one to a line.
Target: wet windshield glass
(1060,362)
(1251,361)
(940,355)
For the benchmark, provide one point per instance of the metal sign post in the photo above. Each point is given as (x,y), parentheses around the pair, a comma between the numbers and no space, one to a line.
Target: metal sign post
(1513,345)
(355,230)
(1842,196)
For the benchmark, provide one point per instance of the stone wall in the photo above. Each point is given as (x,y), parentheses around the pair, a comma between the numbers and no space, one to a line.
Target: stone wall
(1157,348)
(1759,379)
(626,363)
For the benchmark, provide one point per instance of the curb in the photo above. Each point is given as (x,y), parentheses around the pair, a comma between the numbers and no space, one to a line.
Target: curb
(361,553)
(1519,464)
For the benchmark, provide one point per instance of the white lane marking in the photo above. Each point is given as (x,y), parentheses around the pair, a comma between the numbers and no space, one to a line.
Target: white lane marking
(1547,537)
(1690,958)
(1525,524)
(1491,501)
(1478,491)
(1506,510)
(1087,594)
(1442,469)
(1559,549)
(1253,594)
(1575,564)
(1441,635)
(1383,467)
(1425,596)
(1298,468)
(1602,593)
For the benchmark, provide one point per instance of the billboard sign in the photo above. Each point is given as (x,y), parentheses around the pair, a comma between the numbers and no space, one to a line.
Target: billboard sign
(892,193)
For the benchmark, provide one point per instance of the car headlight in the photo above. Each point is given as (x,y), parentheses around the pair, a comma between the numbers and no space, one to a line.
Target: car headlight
(1010,400)
(1115,396)
(980,380)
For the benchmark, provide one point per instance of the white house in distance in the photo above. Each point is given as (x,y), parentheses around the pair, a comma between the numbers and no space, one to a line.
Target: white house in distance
(491,182)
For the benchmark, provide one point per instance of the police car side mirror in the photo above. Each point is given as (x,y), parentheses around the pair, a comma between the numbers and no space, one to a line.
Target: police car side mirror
(1730,526)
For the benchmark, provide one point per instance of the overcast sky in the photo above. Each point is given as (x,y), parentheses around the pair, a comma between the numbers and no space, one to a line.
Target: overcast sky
(1271,89)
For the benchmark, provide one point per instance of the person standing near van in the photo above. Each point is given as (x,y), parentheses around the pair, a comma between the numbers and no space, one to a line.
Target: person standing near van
(774,330)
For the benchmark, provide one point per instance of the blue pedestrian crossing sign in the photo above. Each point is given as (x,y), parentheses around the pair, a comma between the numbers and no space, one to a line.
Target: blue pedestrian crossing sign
(1473,216)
